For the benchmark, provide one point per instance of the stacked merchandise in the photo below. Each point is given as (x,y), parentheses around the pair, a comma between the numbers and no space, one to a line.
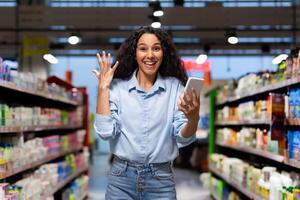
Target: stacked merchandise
(251,138)
(251,111)
(16,155)
(77,189)
(263,182)
(261,111)
(259,115)
(31,83)
(51,104)
(12,116)
(42,183)
(220,190)
(288,71)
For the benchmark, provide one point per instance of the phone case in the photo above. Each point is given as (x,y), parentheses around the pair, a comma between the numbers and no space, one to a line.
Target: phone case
(196,83)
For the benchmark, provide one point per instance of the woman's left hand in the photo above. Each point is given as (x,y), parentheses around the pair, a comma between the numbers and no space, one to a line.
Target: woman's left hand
(190,106)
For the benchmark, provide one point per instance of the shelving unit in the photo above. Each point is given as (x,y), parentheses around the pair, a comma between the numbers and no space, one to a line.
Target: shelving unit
(84,196)
(245,123)
(12,129)
(47,100)
(66,181)
(214,195)
(259,122)
(258,91)
(36,94)
(44,160)
(267,156)
(247,193)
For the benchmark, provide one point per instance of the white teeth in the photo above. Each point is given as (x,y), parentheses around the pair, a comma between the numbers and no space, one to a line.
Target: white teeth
(149,63)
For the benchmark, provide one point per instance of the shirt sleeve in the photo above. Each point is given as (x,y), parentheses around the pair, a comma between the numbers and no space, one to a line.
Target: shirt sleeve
(107,126)
(179,122)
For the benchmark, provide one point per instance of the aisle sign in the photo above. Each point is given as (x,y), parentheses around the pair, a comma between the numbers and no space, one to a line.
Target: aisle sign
(192,66)
(35,45)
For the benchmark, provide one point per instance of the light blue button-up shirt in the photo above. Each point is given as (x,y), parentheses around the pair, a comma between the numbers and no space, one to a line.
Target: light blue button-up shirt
(144,126)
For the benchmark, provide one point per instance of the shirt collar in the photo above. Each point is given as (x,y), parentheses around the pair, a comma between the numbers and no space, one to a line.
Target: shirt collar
(134,84)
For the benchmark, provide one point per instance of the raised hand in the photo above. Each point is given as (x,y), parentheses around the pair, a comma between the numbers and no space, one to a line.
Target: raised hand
(106,73)
(190,106)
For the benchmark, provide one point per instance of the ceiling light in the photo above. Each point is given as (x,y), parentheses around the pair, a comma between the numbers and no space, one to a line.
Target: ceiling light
(74,39)
(231,37)
(201,59)
(278,59)
(158,13)
(50,58)
(157,9)
(233,40)
(156,24)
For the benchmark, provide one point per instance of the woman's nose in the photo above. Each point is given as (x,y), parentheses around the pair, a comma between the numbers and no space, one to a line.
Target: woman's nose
(150,54)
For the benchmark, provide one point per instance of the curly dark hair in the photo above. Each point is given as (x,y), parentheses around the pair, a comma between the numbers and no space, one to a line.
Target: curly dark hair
(171,65)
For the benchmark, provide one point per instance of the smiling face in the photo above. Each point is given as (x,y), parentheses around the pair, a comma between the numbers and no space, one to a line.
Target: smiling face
(149,55)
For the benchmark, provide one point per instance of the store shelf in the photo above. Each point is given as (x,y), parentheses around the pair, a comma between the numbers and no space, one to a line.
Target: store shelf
(293,163)
(62,184)
(10,86)
(15,129)
(265,154)
(212,193)
(244,191)
(265,89)
(244,123)
(258,122)
(293,122)
(40,162)
(84,196)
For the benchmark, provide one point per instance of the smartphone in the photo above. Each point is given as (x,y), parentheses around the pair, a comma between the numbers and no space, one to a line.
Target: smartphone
(196,83)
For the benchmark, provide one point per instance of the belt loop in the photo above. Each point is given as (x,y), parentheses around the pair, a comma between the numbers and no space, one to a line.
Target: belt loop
(125,165)
(151,167)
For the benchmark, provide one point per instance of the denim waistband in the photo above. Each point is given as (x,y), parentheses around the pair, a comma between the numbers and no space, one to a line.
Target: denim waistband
(138,164)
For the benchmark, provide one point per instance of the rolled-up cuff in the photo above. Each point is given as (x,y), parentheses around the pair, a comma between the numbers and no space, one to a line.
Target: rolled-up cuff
(104,126)
(183,141)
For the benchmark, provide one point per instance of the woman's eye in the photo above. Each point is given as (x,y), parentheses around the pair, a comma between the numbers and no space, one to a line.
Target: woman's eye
(157,48)
(142,49)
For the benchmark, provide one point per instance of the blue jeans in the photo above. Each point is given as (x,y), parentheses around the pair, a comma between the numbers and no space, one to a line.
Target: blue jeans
(135,181)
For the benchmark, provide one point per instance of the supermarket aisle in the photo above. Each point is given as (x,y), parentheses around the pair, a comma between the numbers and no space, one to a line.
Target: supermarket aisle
(188,186)
(98,180)
(187,183)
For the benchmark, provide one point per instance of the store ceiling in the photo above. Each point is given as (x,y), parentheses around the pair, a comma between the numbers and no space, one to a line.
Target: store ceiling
(273,29)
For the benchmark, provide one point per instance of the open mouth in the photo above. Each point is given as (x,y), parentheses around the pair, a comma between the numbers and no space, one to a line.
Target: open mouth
(150,63)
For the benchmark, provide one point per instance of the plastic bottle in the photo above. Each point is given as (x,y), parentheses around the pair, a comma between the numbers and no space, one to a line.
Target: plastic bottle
(259,139)
(286,179)
(2,194)
(275,186)
(286,106)
(291,104)
(297,104)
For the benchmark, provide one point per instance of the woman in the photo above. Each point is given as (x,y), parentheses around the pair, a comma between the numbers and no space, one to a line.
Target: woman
(145,114)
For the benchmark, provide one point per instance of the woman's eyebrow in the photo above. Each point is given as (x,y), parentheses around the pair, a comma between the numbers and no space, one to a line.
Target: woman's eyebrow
(157,43)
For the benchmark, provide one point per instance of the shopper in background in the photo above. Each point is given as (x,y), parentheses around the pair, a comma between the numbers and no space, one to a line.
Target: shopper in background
(144,113)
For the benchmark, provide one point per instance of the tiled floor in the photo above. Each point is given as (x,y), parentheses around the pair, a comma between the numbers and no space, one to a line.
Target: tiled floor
(188,186)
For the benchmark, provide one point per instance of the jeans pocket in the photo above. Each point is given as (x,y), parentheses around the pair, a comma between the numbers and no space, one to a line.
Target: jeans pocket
(117,169)
(163,172)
